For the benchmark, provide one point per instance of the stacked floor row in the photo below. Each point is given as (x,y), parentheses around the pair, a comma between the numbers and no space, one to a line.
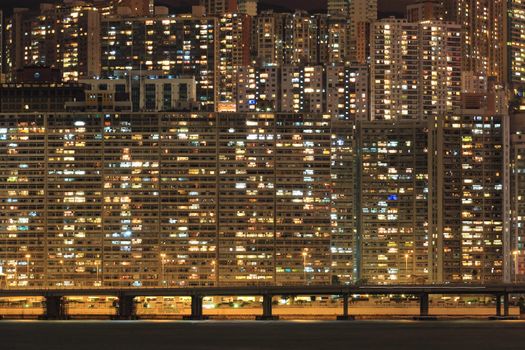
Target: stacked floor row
(184,199)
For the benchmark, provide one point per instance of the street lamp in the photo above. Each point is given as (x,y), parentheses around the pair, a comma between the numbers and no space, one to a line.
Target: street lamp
(162,261)
(406,266)
(28,256)
(305,255)
(516,266)
(98,273)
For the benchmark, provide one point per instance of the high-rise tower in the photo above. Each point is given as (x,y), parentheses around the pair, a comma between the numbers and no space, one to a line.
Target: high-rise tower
(415,69)
(361,13)
(338,8)
(219,7)
(483,23)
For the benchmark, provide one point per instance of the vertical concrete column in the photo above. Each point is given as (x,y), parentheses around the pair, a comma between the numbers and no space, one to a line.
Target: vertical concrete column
(522,309)
(345,305)
(55,308)
(267,306)
(267,309)
(506,305)
(423,304)
(126,307)
(345,316)
(196,309)
(498,305)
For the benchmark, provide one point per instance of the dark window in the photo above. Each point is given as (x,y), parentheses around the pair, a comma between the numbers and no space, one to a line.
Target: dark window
(167,97)
(150,97)
(183,92)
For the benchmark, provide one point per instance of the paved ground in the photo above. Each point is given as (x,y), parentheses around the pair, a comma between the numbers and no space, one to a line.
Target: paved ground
(286,312)
(234,335)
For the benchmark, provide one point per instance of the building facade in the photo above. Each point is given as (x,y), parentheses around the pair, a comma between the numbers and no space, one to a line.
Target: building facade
(362,14)
(470,226)
(517,193)
(234,31)
(176,46)
(392,201)
(515,54)
(38,97)
(415,70)
(219,7)
(483,28)
(145,93)
(338,89)
(425,10)
(176,199)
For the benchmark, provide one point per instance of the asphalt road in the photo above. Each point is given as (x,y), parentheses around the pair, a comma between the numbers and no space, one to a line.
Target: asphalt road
(247,335)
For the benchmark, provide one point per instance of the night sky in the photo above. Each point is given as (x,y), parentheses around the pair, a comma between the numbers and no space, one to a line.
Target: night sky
(385,5)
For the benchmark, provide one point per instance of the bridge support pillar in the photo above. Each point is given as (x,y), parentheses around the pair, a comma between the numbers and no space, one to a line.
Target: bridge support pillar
(345,316)
(424,307)
(267,309)
(506,308)
(126,307)
(55,308)
(196,309)
(506,305)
